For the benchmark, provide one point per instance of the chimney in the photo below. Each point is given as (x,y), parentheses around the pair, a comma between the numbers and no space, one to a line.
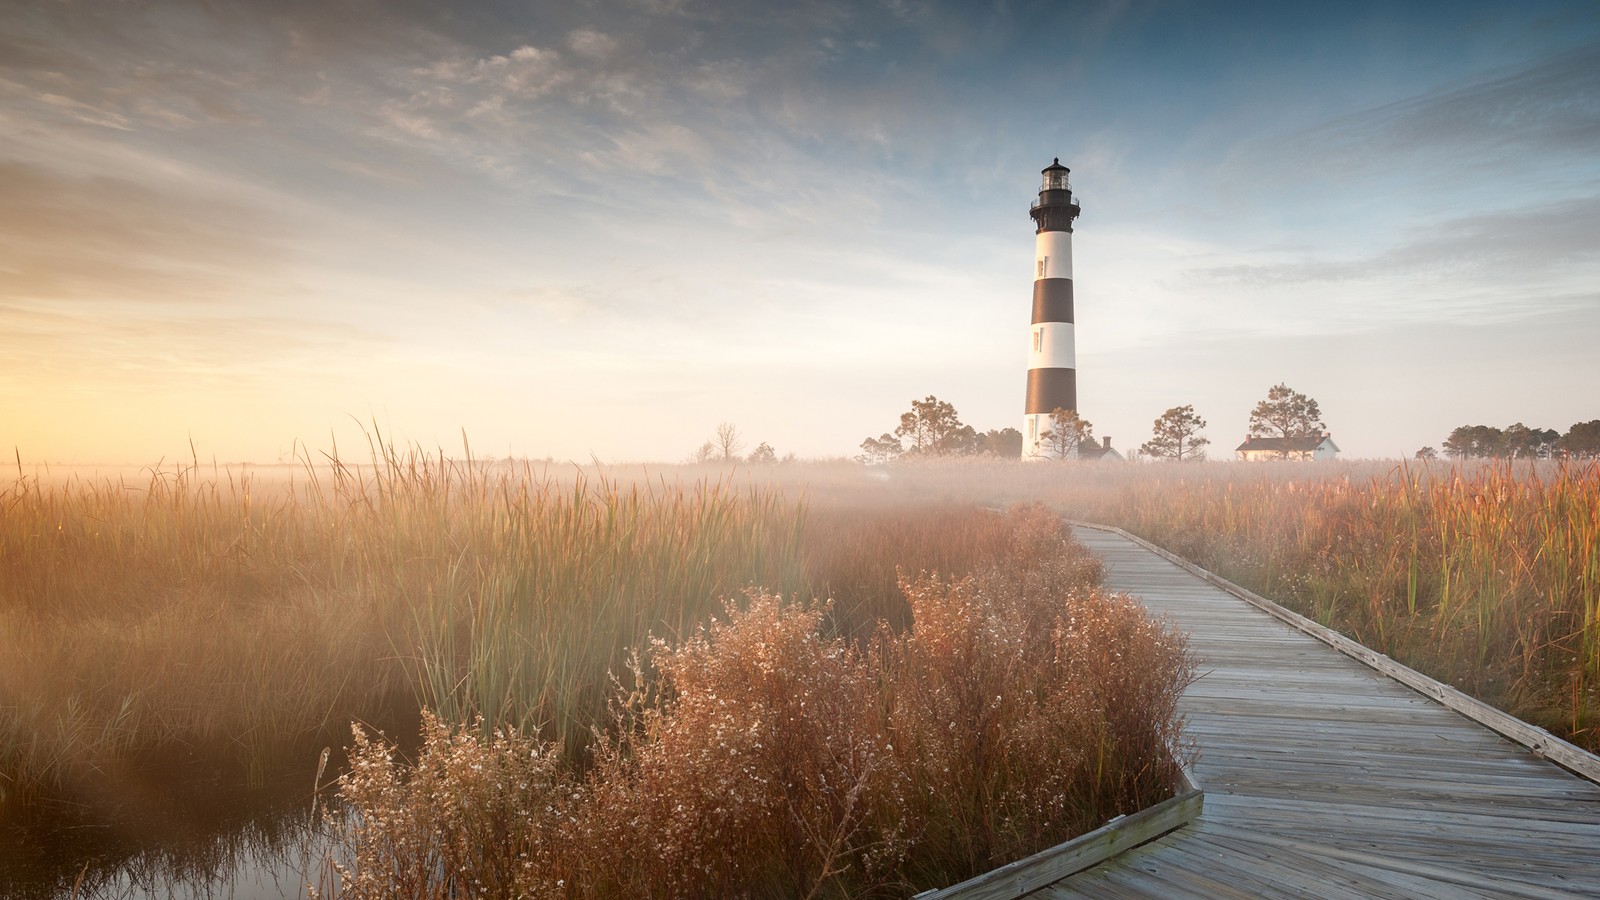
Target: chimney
(1107,443)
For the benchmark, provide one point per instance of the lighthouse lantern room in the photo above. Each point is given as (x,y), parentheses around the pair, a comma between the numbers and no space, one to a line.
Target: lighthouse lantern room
(1052,366)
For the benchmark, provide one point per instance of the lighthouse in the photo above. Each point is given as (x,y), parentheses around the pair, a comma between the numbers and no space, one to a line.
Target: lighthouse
(1052,366)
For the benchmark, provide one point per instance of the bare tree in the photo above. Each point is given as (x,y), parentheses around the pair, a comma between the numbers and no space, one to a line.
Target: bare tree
(1067,432)
(728,442)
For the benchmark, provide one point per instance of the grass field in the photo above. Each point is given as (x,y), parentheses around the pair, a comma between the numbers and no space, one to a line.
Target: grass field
(1486,576)
(244,620)
(216,619)
(770,755)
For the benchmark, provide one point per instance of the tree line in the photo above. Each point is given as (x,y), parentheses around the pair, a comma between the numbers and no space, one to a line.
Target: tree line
(1582,441)
(932,428)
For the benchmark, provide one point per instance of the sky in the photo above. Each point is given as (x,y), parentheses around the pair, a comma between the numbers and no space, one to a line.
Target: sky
(597,229)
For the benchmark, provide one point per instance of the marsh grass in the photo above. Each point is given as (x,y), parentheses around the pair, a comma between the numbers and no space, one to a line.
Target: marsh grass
(234,616)
(1486,577)
(523,595)
(767,755)
(172,617)
(202,615)
(197,615)
(234,619)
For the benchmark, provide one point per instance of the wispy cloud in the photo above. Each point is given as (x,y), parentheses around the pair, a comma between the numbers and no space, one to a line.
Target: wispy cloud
(109,240)
(478,200)
(1511,249)
(591,44)
(1483,128)
(85,113)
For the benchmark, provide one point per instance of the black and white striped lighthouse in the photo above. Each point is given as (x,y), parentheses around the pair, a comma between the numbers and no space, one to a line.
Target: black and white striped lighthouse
(1052,366)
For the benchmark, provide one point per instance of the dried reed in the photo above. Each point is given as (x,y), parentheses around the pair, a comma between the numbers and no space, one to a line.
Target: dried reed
(763,756)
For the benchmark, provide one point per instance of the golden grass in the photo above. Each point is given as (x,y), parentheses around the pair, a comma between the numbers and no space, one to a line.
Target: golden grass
(232,617)
(1483,576)
(763,756)
(236,617)
(172,613)
(220,616)
(214,614)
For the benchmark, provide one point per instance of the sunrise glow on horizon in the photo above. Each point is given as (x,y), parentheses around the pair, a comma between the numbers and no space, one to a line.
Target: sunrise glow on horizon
(600,230)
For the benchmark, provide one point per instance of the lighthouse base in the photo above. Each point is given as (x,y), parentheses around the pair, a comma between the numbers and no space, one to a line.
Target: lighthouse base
(1033,429)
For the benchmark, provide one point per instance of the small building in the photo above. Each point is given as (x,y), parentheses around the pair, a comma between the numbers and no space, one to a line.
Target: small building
(1267,449)
(1102,450)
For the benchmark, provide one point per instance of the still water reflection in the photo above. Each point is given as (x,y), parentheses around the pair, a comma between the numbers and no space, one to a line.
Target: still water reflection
(206,837)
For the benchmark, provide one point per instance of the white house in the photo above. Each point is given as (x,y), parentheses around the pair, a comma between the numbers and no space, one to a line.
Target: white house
(1311,446)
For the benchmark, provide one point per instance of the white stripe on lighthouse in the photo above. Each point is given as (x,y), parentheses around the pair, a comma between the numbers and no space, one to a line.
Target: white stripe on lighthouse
(1050,346)
(1052,255)
(1052,361)
(1034,428)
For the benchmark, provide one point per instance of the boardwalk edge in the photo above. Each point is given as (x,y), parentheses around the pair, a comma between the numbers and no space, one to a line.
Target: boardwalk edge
(1543,744)
(1083,852)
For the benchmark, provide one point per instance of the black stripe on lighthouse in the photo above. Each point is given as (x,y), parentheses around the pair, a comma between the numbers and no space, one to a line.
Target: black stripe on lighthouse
(1052,362)
(1052,389)
(1052,300)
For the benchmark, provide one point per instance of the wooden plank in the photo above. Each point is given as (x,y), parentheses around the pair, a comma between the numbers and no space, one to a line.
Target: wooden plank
(1541,742)
(1317,868)
(1326,777)
(1083,852)
(1435,873)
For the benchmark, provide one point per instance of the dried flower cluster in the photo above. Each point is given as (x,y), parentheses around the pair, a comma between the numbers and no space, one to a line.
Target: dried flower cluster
(473,816)
(765,757)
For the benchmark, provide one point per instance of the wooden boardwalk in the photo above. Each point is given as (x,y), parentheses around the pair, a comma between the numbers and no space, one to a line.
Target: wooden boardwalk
(1324,778)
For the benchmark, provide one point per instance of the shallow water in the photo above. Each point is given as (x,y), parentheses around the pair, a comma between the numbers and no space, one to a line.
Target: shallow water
(198,837)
